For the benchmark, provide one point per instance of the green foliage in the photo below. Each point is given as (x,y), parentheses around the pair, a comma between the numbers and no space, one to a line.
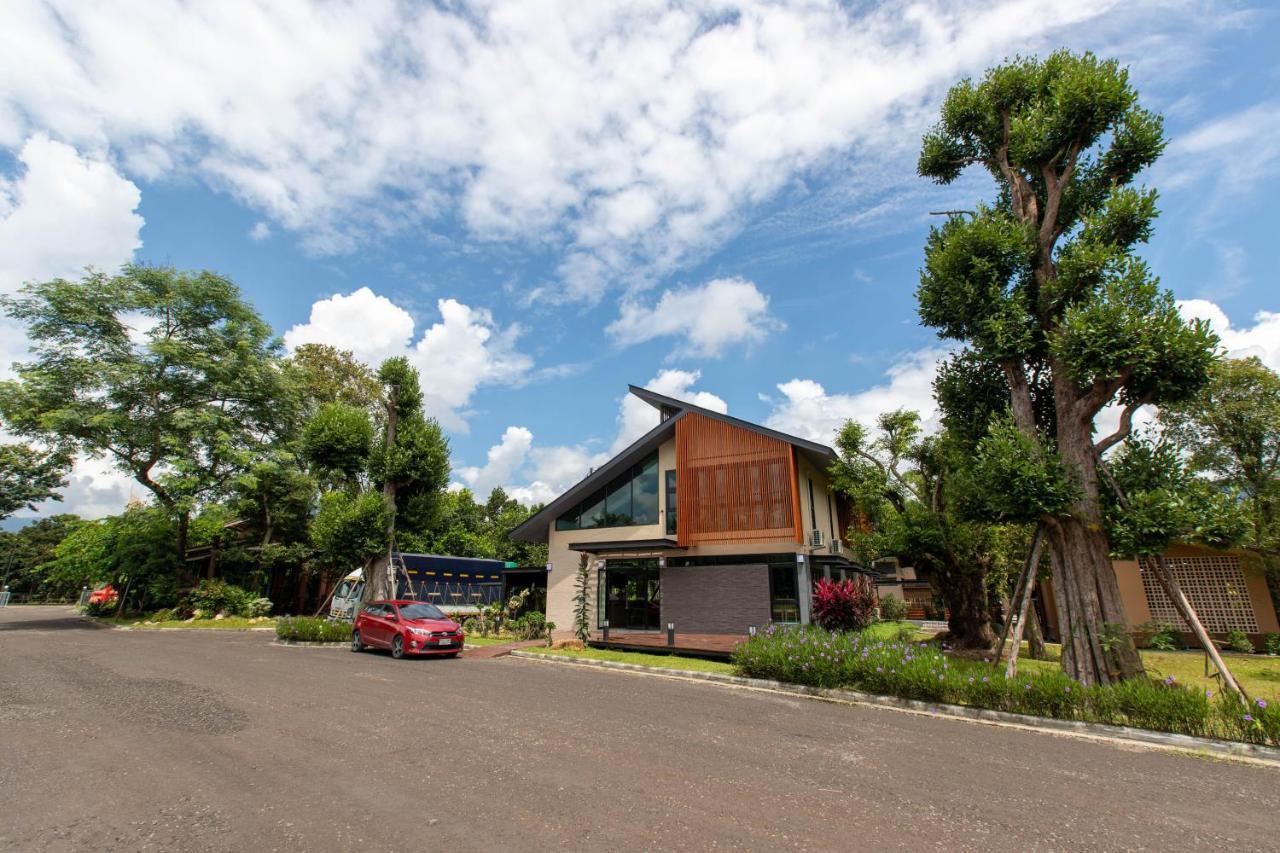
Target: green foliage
(101,607)
(531,626)
(1161,636)
(1271,644)
(28,476)
(864,661)
(23,552)
(319,375)
(311,629)
(892,608)
(211,597)
(1238,641)
(337,439)
(349,530)
(259,607)
(1015,477)
(133,548)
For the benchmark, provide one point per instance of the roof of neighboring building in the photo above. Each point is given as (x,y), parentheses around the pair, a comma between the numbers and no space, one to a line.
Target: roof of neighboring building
(537,527)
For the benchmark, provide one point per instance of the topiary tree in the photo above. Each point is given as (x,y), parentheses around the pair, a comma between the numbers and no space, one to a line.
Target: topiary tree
(1046,290)
(582,599)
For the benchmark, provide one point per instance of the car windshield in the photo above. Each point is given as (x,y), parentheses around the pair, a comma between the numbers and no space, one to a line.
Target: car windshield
(420,611)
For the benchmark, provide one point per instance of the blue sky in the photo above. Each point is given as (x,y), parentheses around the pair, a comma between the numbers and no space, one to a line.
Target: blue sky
(506,191)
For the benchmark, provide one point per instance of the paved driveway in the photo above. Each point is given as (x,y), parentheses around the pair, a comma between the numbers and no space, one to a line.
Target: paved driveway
(212,741)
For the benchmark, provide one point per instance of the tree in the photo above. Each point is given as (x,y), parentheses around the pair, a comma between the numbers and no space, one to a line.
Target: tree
(1045,288)
(1230,432)
(170,374)
(28,476)
(132,551)
(582,599)
(23,551)
(905,486)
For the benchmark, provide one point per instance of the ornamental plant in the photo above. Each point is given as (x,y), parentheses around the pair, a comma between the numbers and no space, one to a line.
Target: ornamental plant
(847,605)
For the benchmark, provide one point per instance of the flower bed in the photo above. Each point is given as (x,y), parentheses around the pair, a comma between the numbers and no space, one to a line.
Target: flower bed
(811,656)
(312,629)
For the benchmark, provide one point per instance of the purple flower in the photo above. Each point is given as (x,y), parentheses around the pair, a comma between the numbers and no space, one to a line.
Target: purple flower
(1262,703)
(1208,694)
(1248,718)
(1169,680)
(971,679)
(985,679)
(1026,687)
(1067,688)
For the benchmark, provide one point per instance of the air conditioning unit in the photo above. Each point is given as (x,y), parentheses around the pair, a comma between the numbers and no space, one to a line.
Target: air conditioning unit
(815,539)
(836,546)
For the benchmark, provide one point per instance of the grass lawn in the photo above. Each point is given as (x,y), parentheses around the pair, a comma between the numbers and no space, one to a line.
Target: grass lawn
(1259,675)
(476,640)
(641,658)
(230,623)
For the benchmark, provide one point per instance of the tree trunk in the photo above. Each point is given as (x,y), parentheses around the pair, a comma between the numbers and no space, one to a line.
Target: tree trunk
(184,528)
(377,575)
(1095,614)
(1035,637)
(969,623)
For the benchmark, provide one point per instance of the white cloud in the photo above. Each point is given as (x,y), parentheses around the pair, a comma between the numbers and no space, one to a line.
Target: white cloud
(709,318)
(533,474)
(1262,339)
(455,356)
(259,232)
(504,459)
(630,136)
(808,411)
(63,213)
(371,326)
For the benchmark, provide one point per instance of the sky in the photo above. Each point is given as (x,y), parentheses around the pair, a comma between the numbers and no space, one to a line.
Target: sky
(540,202)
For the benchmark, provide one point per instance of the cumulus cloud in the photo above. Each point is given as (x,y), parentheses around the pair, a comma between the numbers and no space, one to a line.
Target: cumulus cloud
(259,232)
(455,356)
(533,474)
(708,318)
(1262,339)
(630,137)
(63,212)
(809,411)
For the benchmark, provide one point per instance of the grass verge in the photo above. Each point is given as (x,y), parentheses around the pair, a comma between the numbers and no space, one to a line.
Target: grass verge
(639,658)
(230,623)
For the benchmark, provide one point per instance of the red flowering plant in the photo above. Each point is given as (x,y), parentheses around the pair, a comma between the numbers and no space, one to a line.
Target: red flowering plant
(847,605)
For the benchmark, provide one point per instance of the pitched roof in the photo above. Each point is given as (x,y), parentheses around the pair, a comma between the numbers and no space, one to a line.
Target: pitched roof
(537,527)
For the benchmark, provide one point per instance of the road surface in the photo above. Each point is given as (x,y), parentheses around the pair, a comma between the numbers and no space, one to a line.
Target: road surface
(115,740)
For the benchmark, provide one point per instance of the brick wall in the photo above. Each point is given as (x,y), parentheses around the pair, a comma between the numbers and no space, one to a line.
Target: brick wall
(715,599)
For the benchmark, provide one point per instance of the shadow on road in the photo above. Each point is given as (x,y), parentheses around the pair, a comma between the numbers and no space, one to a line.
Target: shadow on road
(37,618)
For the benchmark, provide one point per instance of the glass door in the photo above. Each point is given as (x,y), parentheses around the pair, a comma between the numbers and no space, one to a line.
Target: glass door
(632,594)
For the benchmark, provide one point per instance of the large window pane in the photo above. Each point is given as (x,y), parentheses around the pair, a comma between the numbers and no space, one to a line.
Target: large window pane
(568,521)
(644,493)
(618,505)
(593,511)
(671,503)
(784,594)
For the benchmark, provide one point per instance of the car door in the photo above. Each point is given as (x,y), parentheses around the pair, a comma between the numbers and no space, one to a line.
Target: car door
(372,627)
(390,623)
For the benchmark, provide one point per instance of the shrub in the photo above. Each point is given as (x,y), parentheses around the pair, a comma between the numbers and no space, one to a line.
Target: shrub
(1238,641)
(211,597)
(811,656)
(165,615)
(260,607)
(530,626)
(101,607)
(312,629)
(1161,636)
(847,605)
(892,608)
(1271,642)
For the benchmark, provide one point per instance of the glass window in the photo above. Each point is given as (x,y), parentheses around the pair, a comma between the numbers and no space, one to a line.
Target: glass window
(593,511)
(644,493)
(568,521)
(671,502)
(784,594)
(618,505)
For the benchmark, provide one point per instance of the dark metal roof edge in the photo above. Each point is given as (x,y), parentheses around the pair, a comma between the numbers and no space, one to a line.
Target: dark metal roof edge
(605,471)
(657,400)
(626,545)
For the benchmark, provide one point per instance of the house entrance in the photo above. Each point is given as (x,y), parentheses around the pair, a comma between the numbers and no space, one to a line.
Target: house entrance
(630,594)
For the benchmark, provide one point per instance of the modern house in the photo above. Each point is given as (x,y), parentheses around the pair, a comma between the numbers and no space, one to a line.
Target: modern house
(707,523)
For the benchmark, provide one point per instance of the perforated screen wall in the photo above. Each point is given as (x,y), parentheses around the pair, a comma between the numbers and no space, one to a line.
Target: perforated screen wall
(1215,585)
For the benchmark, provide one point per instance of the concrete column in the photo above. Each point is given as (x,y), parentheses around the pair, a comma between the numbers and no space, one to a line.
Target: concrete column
(805,587)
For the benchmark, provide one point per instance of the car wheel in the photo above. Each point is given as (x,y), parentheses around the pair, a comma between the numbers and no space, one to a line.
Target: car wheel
(357,644)
(397,647)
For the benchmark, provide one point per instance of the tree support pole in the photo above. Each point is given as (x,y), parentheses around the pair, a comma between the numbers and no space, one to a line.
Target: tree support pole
(1033,563)
(1183,605)
(1033,558)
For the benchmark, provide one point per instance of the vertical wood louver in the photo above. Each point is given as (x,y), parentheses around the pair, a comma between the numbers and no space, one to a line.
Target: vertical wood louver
(734,485)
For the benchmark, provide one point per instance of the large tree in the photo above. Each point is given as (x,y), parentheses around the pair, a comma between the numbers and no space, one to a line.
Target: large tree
(169,374)
(29,475)
(1231,434)
(1045,287)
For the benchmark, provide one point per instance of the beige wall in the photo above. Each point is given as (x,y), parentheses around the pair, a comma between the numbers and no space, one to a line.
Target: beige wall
(825,508)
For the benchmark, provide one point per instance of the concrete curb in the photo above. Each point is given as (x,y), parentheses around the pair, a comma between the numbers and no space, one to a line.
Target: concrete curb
(1075,728)
(313,644)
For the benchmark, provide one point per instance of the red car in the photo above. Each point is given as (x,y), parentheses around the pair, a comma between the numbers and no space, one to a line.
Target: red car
(406,628)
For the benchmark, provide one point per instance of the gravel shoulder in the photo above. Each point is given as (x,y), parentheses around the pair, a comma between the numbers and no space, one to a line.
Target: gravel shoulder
(118,740)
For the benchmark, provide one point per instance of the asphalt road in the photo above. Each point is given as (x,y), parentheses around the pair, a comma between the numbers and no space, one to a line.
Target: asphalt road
(222,741)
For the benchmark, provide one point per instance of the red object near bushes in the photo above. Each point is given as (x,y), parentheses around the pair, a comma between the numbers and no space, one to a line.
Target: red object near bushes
(848,605)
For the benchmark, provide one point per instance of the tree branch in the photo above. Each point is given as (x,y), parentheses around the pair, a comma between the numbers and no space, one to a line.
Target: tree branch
(1123,430)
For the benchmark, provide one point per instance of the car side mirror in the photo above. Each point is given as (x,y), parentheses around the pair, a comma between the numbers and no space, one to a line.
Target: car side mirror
(391,617)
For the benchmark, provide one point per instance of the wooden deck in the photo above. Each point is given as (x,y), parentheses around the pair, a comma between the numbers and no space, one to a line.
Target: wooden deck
(717,646)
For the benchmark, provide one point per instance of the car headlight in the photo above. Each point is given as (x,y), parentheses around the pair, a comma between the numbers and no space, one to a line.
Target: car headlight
(423,631)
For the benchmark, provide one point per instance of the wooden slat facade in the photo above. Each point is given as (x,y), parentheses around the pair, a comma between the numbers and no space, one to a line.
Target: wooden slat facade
(734,485)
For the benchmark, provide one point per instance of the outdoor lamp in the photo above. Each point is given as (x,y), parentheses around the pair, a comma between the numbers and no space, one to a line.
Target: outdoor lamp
(671,633)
